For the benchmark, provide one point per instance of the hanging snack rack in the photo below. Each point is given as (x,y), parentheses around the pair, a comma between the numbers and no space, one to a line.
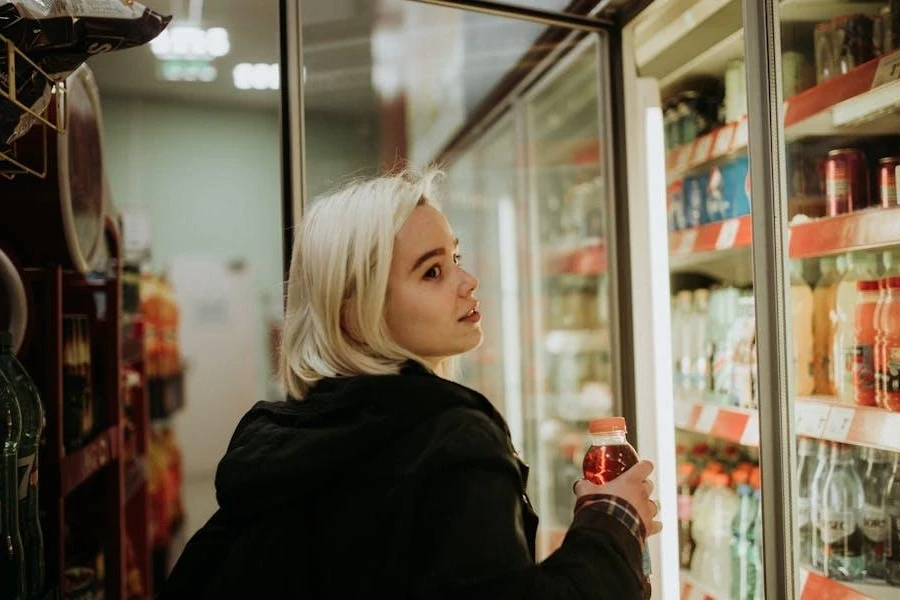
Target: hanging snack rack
(10,165)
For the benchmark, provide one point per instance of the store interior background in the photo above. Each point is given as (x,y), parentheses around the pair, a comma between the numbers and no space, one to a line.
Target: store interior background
(197,166)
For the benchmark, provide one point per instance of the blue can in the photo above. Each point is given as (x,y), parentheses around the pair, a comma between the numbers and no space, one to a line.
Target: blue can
(736,186)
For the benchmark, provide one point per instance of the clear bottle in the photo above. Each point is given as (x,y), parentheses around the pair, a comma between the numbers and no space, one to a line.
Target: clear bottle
(682,357)
(802,309)
(757,578)
(808,462)
(876,475)
(725,316)
(842,535)
(742,573)
(860,267)
(722,505)
(699,355)
(32,412)
(892,506)
(12,556)
(816,500)
(823,306)
(686,476)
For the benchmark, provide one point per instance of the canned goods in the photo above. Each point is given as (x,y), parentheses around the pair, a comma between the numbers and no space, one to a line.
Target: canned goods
(794,70)
(846,181)
(853,41)
(887,180)
(735,90)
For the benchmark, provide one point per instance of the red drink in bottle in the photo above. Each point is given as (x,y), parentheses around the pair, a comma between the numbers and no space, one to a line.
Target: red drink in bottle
(610,454)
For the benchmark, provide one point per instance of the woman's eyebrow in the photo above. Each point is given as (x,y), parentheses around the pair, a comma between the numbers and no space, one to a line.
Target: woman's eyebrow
(432,254)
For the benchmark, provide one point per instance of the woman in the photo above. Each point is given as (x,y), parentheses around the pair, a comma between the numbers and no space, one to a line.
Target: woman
(379,477)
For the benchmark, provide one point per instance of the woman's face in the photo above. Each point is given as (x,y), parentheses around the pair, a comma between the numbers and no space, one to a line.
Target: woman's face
(431,306)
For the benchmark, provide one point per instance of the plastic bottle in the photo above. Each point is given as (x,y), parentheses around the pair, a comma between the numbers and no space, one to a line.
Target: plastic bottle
(892,506)
(12,557)
(842,534)
(609,456)
(682,356)
(699,368)
(741,540)
(864,335)
(860,267)
(816,500)
(890,326)
(876,475)
(808,462)
(802,308)
(722,503)
(28,469)
(686,476)
(891,264)
(700,513)
(823,306)
(757,578)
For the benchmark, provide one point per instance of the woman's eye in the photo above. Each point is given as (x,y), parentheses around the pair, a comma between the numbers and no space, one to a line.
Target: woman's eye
(433,273)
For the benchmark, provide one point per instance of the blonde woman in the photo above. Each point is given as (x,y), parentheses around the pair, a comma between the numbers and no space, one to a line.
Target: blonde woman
(379,476)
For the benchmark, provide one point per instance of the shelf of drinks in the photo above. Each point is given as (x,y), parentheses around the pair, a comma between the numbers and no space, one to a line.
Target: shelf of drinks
(867,229)
(587,259)
(727,423)
(576,341)
(864,101)
(818,417)
(816,586)
(82,464)
(694,589)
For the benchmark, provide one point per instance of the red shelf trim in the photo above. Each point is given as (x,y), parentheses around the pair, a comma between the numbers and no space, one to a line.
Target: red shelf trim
(79,466)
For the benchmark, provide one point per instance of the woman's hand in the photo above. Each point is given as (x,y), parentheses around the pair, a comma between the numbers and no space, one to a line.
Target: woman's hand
(632,486)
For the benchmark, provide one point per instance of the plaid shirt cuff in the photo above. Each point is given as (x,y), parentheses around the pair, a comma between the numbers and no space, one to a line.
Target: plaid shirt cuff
(617,507)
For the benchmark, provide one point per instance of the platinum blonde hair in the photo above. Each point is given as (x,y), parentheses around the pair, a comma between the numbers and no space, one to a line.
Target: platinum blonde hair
(340,265)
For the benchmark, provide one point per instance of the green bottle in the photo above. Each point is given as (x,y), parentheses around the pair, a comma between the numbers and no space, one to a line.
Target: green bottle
(12,557)
(32,424)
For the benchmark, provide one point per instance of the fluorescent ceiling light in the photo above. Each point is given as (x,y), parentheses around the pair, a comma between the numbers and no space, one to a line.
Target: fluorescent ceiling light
(183,70)
(258,76)
(186,42)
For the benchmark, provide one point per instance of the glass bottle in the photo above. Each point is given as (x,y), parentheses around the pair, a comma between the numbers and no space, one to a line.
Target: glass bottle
(892,507)
(816,499)
(807,468)
(843,499)
(875,478)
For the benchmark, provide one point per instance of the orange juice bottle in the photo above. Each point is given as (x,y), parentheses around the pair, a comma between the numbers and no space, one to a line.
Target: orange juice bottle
(890,326)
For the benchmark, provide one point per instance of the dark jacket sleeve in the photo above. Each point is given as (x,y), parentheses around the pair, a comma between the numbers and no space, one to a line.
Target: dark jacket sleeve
(471,526)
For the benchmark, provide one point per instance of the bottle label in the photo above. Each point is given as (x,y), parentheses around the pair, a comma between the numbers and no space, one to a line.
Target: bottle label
(804,516)
(25,468)
(864,367)
(891,373)
(874,523)
(836,527)
(892,547)
(685,504)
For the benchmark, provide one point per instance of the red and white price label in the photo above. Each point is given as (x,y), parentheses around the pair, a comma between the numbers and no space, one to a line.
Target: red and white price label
(702,150)
(840,418)
(686,242)
(707,419)
(741,136)
(811,419)
(724,139)
(683,160)
(728,234)
(751,431)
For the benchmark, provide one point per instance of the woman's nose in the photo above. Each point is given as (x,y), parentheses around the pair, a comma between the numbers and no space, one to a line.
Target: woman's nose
(469,285)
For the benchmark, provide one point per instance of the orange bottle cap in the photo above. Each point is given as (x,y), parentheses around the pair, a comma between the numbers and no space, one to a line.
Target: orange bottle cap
(740,476)
(607,425)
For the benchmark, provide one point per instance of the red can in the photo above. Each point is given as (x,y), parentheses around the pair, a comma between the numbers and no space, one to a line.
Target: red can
(846,181)
(887,181)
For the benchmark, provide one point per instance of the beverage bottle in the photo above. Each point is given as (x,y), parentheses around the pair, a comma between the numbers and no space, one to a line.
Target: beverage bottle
(816,501)
(741,540)
(755,577)
(802,308)
(680,343)
(892,507)
(726,314)
(890,326)
(32,424)
(891,263)
(807,468)
(609,456)
(823,306)
(860,267)
(686,475)
(699,357)
(12,557)
(864,334)
(842,535)
(874,515)
(722,502)
(741,337)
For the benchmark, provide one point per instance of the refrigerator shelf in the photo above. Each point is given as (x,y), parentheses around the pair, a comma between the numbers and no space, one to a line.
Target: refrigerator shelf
(576,341)
(816,586)
(694,589)
(727,423)
(868,229)
(822,418)
(587,259)
(863,102)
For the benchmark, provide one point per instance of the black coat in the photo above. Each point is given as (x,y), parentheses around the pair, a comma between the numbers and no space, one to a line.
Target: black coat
(394,486)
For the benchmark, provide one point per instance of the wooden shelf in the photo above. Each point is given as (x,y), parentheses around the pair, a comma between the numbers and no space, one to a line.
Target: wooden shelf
(82,464)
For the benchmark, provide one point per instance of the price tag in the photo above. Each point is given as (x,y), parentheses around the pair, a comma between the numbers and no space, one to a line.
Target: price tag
(888,70)
(751,431)
(684,157)
(838,425)
(686,243)
(724,138)
(707,419)
(741,136)
(728,234)
(702,149)
(811,419)
(683,412)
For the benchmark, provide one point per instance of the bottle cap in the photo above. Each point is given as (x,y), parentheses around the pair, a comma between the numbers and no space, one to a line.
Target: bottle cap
(867,286)
(686,469)
(740,476)
(607,425)
(755,479)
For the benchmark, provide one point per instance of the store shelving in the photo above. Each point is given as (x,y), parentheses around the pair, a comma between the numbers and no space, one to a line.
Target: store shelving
(82,464)
(589,258)
(694,589)
(726,423)
(816,586)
